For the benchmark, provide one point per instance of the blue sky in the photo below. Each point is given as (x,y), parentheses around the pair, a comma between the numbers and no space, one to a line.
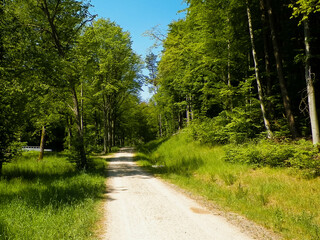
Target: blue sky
(138,16)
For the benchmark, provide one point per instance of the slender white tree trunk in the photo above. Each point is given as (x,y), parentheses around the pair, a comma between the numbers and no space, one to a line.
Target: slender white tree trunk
(256,68)
(310,87)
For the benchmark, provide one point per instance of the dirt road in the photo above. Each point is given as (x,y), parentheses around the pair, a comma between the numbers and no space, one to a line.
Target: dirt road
(141,207)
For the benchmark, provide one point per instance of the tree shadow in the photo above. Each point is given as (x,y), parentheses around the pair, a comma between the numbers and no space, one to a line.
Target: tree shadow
(57,189)
(151,146)
(125,171)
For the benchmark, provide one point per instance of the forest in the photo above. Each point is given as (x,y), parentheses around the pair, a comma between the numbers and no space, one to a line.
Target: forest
(69,81)
(233,116)
(230,71)
(237,70)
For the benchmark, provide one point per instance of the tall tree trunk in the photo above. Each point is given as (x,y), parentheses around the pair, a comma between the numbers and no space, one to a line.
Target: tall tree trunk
(278,58)
(229,73)
(266,54)
(81,104)
(255,60)
(1,32)
(113,137)
(80,138)
(1,164)
(69,124)
(187,111)
(160,125)
(190,108)
(109,132)
(310,87)
(97,127)
(105,131)
(105,124)
(43,133)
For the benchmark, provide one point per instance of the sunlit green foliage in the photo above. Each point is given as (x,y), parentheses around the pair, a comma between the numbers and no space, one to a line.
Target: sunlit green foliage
(72,77)
(206,69)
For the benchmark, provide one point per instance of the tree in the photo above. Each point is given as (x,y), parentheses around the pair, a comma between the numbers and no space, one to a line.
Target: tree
(12,93)
(58,25)
(255,60)
(305,8)
(109,52)
(283,87)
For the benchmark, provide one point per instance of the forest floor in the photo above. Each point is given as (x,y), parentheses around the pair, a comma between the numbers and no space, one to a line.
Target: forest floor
(140,206)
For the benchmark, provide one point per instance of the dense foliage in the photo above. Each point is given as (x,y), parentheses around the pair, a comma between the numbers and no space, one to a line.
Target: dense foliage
(69,78)
(237,70)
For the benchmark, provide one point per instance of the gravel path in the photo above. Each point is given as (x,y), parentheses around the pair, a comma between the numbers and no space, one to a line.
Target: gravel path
(141,207)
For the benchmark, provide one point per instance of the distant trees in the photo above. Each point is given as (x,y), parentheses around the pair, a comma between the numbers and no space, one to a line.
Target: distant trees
(107,49)
(68,79)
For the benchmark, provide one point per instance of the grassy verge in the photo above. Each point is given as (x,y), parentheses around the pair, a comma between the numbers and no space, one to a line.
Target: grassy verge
(50,199)
(277,198)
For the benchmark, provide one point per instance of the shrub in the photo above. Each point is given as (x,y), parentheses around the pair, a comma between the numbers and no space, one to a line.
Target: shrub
(236,126)
(307,158)
(300,155)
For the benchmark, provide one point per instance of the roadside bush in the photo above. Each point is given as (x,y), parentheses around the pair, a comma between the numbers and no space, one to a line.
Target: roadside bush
(306,158)
(300,155)
(236,126)
(263,153)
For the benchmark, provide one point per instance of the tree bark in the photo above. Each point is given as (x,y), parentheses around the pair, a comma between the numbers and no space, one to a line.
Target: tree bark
(255,60)
(187,111)
(310,87)
(160,125)
(81,112)
(113,139)
(69,124)
(1,164)
(278,58)
(266,54)
(109,131)
(80,140)
(229,73)
(190,108)
(42,143)
(105,131)
(2,17)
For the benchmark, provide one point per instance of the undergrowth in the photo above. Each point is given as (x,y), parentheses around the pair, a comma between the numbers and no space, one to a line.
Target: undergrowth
(49,199)
(265,181)
(300,155)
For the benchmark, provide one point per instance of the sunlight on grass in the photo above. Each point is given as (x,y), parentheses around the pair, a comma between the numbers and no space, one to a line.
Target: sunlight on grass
(49,199)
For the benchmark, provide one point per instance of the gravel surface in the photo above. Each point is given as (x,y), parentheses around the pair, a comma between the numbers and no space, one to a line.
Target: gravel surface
(142,207)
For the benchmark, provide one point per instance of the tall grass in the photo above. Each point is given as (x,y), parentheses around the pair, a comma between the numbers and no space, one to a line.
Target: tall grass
(49,199)
(278,198)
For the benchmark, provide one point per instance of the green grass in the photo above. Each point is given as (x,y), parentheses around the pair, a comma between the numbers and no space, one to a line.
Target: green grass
(50,199)
(277,198)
